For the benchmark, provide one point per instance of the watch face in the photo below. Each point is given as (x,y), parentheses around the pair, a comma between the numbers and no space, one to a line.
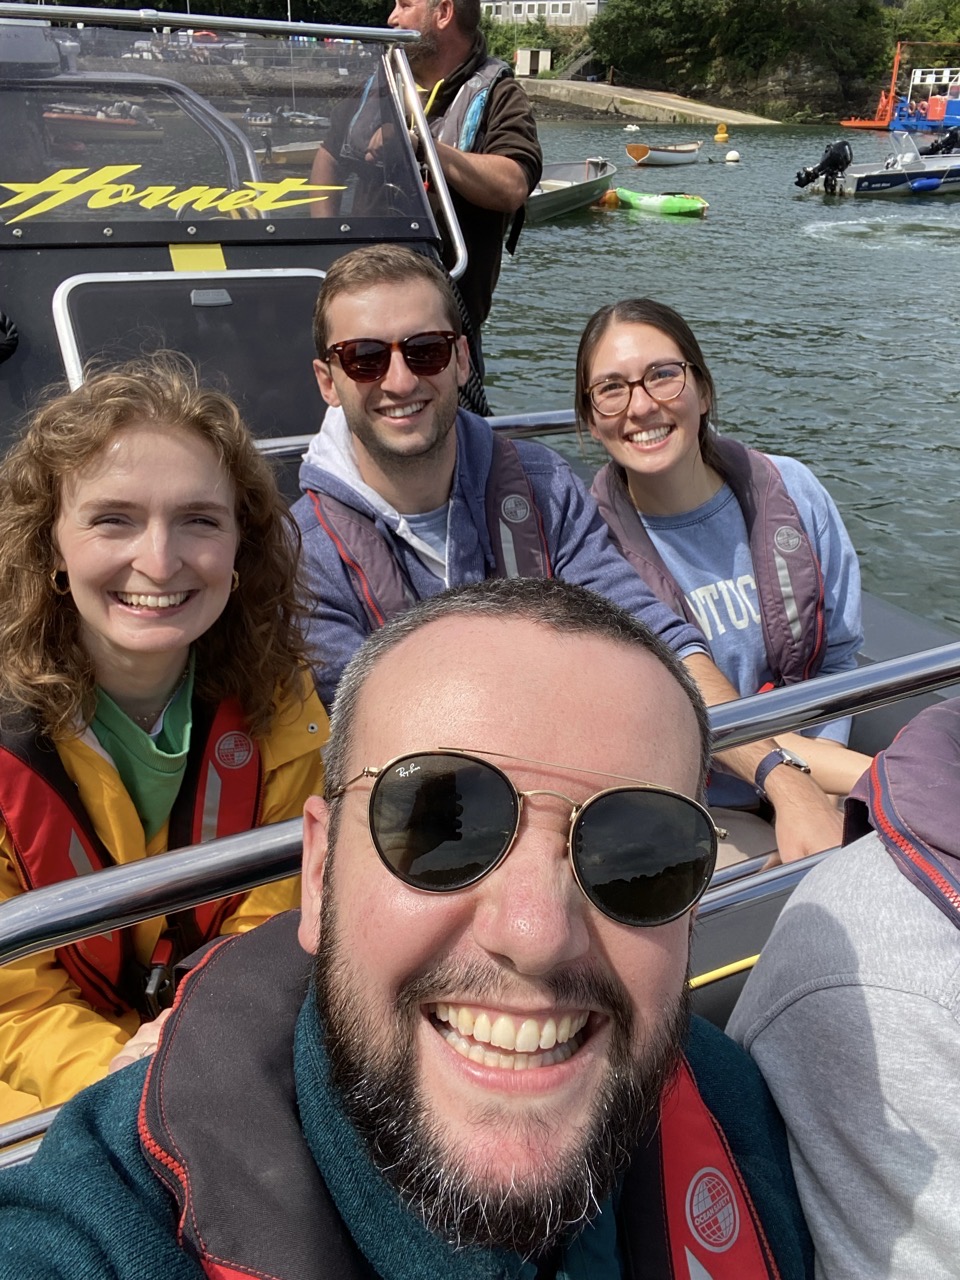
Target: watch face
(790,757)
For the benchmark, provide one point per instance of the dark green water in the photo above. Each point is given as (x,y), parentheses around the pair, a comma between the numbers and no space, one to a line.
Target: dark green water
(832,328)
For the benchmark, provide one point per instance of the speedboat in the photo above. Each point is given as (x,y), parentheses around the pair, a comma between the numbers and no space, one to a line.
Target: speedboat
(68,124)
(566,187)
(188,244)
(679,153)
(907,171)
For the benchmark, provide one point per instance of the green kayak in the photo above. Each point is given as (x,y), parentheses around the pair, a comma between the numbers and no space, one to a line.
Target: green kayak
(671,202)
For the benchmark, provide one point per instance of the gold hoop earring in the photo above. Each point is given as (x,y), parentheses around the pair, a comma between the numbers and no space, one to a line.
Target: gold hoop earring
(236,582)
(57,588)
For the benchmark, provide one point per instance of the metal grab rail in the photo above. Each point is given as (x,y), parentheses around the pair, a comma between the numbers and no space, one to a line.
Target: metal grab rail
(147,18)
(546,422)
(411,99)
(764,715)
(121,896)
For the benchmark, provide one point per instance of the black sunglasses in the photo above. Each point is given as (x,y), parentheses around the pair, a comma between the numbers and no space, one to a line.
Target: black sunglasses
(441,820)
(368,359)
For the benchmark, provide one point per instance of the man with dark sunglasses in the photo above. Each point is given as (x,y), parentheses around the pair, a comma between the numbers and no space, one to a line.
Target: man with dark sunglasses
(491,1073)
(405,495)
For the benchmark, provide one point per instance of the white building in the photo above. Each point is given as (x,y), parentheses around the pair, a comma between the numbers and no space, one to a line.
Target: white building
(556,13)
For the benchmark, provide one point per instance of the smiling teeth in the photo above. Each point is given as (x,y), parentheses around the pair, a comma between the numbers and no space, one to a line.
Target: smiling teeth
(152,602)
(403,410)
(650,436)
(528,1042)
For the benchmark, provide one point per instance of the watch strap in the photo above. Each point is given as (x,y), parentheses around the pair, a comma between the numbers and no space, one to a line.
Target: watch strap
(769,763)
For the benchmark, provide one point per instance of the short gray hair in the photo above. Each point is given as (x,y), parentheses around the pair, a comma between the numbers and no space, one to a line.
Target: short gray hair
(559,606)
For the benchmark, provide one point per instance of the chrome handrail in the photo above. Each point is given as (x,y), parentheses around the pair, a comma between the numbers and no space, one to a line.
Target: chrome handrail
(546,422)
(121,896)
(441,190)
(148,18)
(744,889)
(830,697)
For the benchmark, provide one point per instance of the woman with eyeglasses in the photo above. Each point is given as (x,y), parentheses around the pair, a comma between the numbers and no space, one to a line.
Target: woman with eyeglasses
(153,694)
(749,548)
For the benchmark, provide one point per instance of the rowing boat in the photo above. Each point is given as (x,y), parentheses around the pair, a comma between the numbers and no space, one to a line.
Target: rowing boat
(679,153)
(565,187)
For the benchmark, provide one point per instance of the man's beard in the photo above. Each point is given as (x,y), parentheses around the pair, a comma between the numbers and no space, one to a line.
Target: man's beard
(422,53)
(394,461)
(379,1092)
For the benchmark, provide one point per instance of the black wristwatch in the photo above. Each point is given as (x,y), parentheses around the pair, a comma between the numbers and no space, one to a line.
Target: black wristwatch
(779,755)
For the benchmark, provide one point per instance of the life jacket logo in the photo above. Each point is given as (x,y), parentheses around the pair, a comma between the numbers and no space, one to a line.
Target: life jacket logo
(786,539)
(712,1212)
(515,508)
(233,750)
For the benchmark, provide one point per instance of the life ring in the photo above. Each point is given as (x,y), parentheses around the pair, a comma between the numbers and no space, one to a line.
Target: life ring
(922,108)
(9,337)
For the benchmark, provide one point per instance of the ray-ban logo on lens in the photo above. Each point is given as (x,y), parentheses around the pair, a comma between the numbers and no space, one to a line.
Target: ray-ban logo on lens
(405,770)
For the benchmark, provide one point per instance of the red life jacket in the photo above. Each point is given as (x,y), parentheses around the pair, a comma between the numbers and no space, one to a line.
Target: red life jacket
(229,1146)
(513,523)
(785,565)
(53,838)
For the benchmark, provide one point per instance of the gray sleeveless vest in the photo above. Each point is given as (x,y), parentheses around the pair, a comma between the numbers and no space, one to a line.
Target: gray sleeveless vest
(785,565)
(513,523)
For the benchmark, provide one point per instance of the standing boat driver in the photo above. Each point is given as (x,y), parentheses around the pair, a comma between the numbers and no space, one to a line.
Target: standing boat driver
(483,129)
(405,495)
(487,1071)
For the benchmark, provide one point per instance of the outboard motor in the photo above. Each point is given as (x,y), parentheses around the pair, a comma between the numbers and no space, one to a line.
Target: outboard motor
(837,157)
(950,141)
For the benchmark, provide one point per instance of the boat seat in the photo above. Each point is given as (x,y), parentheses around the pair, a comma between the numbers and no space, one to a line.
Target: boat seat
(249,332)
(554,184)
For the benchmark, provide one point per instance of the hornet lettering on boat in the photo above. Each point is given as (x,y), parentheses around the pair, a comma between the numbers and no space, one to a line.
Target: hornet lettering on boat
(101,189)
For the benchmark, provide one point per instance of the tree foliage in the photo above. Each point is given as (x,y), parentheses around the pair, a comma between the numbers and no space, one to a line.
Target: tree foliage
(676,41)
(663,42)
(928,20)
(503,38)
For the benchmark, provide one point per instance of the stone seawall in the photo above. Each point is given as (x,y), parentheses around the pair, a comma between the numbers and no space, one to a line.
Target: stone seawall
(634,104)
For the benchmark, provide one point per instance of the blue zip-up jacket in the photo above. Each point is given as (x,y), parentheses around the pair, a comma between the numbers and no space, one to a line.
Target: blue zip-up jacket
(577,542)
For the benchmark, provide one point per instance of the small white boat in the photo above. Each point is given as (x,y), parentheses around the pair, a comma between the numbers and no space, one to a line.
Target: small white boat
(679,153)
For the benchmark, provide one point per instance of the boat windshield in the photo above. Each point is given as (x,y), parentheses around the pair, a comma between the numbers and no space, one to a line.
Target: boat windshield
(133,133)
(905,147)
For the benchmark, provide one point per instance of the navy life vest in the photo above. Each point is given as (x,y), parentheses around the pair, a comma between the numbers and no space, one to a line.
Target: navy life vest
(513,523)
(785,565)
(909,797)
(53,838)
(229,1147)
